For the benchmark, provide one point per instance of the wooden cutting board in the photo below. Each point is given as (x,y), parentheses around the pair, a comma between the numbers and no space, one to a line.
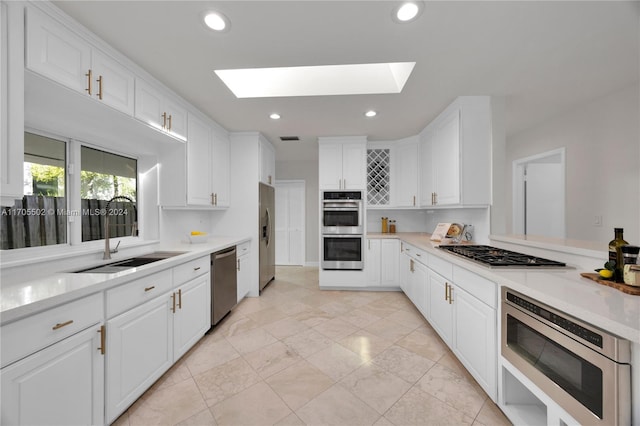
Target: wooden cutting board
(625,288)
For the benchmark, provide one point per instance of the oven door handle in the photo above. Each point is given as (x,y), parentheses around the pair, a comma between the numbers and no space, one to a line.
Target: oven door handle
(341,209)
(341,235)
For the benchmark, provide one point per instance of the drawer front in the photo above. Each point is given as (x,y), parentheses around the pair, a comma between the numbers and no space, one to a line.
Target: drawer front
(415,253)
(190,270)
(480,287)
(28,335)
(244,248)
(133,293)
(442,267)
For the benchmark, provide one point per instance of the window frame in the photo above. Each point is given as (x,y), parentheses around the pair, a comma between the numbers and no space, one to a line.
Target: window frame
(74,244)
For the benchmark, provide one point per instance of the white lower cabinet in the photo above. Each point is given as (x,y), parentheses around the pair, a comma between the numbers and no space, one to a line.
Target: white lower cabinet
(145,341)
(243,269)
(62,384)
(440,312)
(192,314)
(382,262)
(461,306)
(140,350)
(475,339)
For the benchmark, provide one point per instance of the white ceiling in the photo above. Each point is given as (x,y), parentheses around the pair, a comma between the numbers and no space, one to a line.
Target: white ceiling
(543,57)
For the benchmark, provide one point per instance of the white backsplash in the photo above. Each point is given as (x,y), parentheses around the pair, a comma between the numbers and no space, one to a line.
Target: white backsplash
(426,220)
(176,225)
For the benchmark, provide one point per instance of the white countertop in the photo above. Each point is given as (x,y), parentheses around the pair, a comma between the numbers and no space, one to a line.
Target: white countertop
(563,289)
(26,298)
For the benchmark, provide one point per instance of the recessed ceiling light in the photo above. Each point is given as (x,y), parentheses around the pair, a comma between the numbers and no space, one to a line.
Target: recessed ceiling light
(407,11)
(370,113)
(216,21)
(275,116)
(323,80)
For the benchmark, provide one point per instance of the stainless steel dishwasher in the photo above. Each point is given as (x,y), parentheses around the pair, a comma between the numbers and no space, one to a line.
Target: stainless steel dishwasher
(224,284)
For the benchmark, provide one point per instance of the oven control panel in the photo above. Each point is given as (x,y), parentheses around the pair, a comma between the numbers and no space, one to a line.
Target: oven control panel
(559,320)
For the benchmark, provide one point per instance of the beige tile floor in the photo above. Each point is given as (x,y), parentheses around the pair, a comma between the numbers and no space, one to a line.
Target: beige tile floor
(298,355)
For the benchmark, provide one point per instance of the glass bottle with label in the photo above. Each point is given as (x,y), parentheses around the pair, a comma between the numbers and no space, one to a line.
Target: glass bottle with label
(615,254)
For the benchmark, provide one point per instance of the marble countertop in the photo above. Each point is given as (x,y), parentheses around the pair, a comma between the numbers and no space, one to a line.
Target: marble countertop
(563,289)
(26,298)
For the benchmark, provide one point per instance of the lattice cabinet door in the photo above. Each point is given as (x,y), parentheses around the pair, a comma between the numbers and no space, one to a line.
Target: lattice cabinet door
(378,176)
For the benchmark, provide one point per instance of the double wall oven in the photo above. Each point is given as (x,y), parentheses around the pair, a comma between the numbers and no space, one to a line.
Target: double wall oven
(342,230)
(585,370)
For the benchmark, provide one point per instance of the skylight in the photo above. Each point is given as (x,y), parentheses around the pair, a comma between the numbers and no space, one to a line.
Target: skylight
(324,80)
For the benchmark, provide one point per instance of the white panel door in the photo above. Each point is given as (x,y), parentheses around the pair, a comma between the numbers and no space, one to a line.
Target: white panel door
(372,265)
(330,166)
(405,165)
(55,52)
(199,163)
(389,261)
(148,104)
(59,385)
(114,84)
(354,166)
(140,351)
(290,223)
(193,314)
(220,169)
(544,200)
(446,154)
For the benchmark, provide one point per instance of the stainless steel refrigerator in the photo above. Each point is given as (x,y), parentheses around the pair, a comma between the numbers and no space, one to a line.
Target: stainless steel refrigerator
(267,246)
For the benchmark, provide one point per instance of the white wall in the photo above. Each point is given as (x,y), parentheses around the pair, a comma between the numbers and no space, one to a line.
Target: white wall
(603,164)
(406,220)
(306,170)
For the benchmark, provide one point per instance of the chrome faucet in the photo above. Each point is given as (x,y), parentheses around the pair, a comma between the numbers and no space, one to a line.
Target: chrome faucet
(134,230)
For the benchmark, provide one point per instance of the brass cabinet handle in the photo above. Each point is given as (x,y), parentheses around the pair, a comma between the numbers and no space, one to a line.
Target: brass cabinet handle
(446,291)
(180,299)
(215,198)
(173,302)
(418,254)
(169,120)
(99,80)
(62,324)
(89,75)
(196,268)
(149,288)
(414,201)
(103,338)
(411,265)
(213,203)
(164,120)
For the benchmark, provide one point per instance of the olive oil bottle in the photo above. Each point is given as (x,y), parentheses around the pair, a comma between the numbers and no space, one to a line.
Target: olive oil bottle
(615,254)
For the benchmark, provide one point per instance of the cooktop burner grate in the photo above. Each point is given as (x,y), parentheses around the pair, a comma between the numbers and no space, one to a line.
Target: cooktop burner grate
(493,256)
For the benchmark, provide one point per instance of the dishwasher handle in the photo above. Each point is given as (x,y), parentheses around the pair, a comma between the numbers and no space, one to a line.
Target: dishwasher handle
(223,254)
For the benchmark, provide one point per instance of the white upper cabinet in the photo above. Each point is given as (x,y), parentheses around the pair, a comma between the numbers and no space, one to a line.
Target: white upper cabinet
(220,168)
(159,110)
(198,163)
(114,84)
(342,163)
(392,173)
(445,150)
(267,162)
(58,53)
(11,102)
(456,155)
(207,164)
(404,173)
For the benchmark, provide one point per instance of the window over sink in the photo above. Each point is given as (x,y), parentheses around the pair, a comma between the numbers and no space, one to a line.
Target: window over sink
(54,198)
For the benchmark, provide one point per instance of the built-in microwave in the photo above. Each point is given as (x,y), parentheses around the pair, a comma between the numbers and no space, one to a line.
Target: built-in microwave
(342,212)
(585,370)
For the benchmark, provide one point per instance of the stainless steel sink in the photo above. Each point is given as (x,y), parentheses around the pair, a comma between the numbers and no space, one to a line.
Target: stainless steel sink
(134,262)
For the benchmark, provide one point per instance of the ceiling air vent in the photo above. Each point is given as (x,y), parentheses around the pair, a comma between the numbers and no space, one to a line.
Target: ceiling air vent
(289,138)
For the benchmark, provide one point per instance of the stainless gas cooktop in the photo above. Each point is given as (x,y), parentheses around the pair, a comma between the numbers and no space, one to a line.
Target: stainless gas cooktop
(497,257)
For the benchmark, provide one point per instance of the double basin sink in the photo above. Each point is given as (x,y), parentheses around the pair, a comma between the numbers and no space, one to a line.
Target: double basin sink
(134,262)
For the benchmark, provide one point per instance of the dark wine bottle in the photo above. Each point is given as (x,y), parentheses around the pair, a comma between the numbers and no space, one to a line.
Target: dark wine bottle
(615,254)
